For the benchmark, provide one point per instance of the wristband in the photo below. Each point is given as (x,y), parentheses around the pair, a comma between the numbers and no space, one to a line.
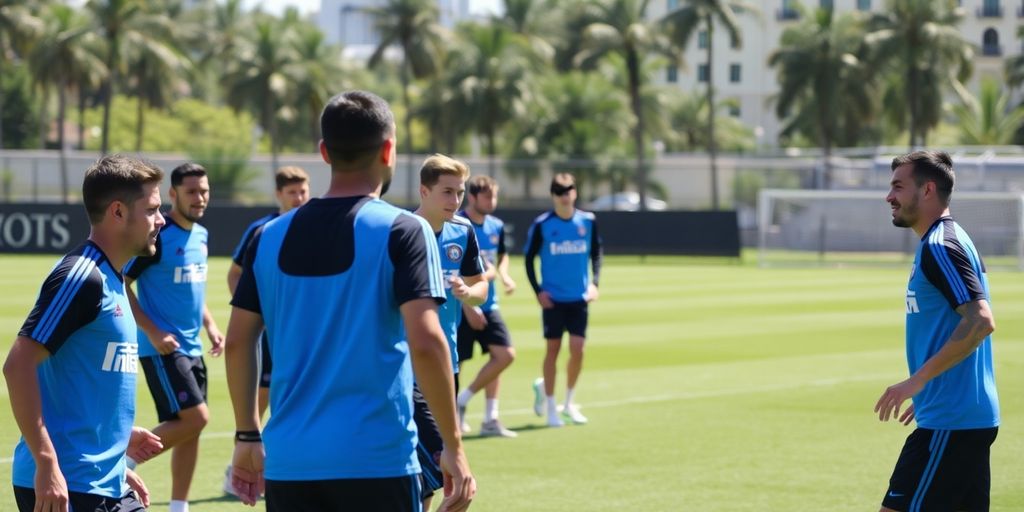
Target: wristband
(248,436)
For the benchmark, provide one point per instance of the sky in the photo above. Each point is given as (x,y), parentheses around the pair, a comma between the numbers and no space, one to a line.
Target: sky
(306,6)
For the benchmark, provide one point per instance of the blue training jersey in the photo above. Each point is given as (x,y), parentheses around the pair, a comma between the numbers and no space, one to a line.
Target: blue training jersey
(239,254)
(460,257)
(171,286)
(947,273)
(564,247)
(328,279)
(491,237)
(87,385)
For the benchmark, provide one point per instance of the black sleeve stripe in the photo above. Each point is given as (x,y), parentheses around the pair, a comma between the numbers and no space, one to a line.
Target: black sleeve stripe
(948,267)
(247,293)
(73,282)
(471,264)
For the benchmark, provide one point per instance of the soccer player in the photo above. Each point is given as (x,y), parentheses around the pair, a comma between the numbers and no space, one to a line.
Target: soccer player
(944,464)
(348,288)
(292,191)
(484,324)
(442,185)
(171,309)
(71,371)
(565,239)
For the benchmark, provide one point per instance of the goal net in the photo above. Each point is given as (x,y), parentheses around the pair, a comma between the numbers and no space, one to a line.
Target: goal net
(804,227)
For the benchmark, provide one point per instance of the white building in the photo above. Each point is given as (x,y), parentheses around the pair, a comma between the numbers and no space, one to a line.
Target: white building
(744,75)
(347,23)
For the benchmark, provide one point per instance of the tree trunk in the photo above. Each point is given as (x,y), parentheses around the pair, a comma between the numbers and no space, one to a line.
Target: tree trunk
(1,118)
(491,153)
(62,105)
(81,117)
(270,126)
(712,144)
(140,120)
(43,131)
(912,98)
(108,93)
(409,179)
(633,68)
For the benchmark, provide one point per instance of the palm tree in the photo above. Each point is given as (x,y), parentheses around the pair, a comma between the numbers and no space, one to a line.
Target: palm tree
(60,56)
(321,73)
(261,77)
(490,74)
(1015,65)
(535,20)
(681,24)
(114,18)
(19,26)
(825,90)
(987,120)
(920,40)
(623,30)
(413,26)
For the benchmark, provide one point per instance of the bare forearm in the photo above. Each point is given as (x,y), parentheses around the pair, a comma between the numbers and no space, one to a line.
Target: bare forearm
(208,320)
(969,333)
(432,365)
(26,404)
(240,361)
(141,318)
(503,267)
(477,294)
(234,274)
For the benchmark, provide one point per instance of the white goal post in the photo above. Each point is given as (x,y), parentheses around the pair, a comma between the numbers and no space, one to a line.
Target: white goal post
(855,226)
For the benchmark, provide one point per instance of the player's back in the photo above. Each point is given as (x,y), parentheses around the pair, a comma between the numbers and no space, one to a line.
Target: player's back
(330,295)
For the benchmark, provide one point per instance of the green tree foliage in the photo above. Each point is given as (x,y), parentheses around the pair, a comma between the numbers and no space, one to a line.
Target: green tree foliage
(988,120)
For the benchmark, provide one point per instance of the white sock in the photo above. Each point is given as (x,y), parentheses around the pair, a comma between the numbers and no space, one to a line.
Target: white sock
(568,397)
(130,462)
(464,397)
(178,506)
(491,410)
(552,406)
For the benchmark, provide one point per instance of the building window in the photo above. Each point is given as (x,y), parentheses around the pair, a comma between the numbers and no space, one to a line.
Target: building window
(672,74)
(702,39)
(990,9)
(826,4)
(702,73)
(990,43)
(735,73)
(864,5)
(734,108)
(672,4)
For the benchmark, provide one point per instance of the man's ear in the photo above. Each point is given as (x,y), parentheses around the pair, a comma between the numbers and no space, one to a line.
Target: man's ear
(386,156)
(323,153)
(118,210)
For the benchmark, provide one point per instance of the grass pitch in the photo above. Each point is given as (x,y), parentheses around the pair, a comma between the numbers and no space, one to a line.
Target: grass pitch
(709,386)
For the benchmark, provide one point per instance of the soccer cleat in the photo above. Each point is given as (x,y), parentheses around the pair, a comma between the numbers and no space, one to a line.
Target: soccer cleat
(494,428)
(228,488)
(572,414)
(538,396)
(462,420)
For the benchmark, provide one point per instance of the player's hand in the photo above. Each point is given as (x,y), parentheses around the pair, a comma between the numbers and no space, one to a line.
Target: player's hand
(544,298)
(135,482)
(143,445)
(247,471)
(592,293)
(51,488)
(216,341)
(490,271)
(889,403)
(459,288)
(165,343)
(475,318)
(510,285)
(459,484)
(908,415)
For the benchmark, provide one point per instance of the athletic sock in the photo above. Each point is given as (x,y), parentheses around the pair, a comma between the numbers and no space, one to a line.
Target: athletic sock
(552,406)
(491,410)
(464,397)
(178,506)
(568,397)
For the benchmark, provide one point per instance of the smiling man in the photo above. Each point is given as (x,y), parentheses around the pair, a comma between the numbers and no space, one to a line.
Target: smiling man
(944,464)
(171,310)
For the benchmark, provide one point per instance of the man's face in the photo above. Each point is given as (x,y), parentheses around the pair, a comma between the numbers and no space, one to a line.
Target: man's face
(904,195)
(293,195)
(564,194)
(443,199)
(485,201)
(143,222)
(191,197)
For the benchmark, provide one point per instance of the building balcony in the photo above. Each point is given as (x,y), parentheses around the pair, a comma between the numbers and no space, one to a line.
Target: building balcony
(990,11)
(787,14)
(992,50)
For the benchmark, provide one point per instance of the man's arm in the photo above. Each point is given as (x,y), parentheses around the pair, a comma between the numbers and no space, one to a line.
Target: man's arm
(234,274)
(976,323)
(431,361)
(473,291)
(212,332)
(20,372)
(534,239)
(596,257)
(240,362)
(164,342)
(506,279)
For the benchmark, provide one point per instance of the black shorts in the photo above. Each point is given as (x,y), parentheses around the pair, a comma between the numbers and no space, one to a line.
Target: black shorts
(265,363)
(494,333)
(176,381)
(26,500)
(942,470)
(565,316)
(398,494)
(429,447)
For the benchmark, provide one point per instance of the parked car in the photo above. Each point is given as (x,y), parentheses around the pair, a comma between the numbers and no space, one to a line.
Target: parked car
(625,202)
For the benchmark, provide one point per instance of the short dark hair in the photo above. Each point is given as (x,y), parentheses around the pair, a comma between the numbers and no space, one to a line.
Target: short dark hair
(355,125)
(480,183)
(179,173)
(437,165)
(289,175)
(934,166)
(116,178)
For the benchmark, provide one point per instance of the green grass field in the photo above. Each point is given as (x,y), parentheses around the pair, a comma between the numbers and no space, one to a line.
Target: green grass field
(709,386)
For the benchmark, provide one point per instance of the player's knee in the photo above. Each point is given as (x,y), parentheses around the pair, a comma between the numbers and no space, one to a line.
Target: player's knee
(503,356)
(195,417)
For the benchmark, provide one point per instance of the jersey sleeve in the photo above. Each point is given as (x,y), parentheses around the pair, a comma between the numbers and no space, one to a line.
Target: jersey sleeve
(70,298)
(534,239)
(246,294)
(413,250)
(948,267)
(501,240)
(596,252)
(137,265)
(238,257)
(471,265)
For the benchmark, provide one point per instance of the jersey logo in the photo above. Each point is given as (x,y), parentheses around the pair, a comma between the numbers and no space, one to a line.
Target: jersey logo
(180,251)
(191,273)
(582,231)
(568,247)
(117,310)
(912,302)
(494,240)
(454,252)
(121,358)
